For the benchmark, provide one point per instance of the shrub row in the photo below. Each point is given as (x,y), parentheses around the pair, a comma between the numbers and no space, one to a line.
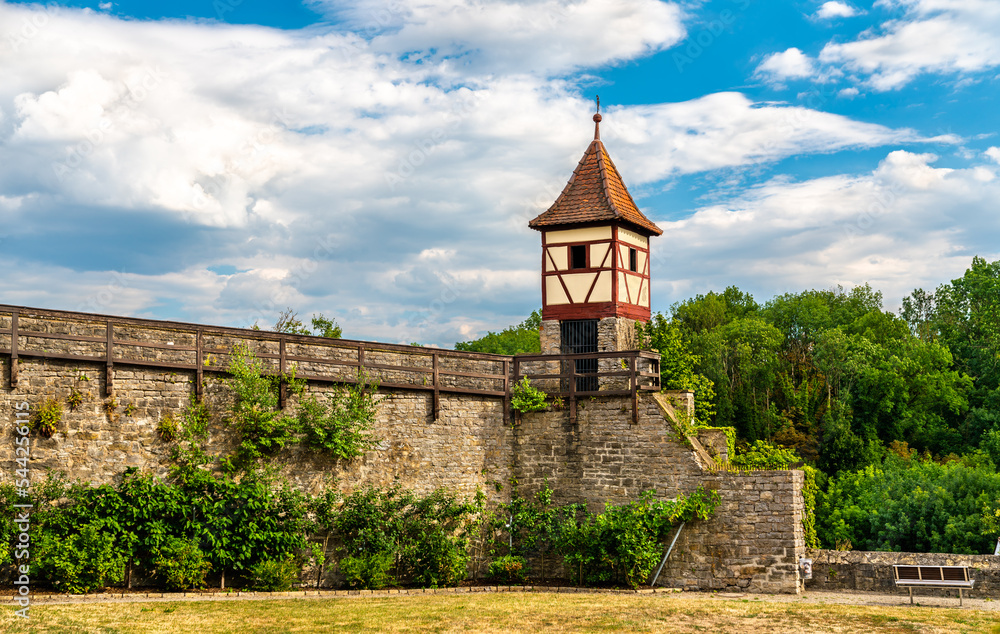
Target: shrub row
(173,534)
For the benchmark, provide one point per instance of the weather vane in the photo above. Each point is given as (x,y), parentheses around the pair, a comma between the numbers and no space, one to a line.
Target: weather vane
(598,104)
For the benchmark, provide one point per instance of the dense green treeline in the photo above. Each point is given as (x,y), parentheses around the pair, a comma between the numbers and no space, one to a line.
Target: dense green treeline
(834,376)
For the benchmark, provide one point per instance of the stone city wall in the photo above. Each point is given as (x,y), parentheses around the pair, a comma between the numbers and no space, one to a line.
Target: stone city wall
(752,542)
(836,570)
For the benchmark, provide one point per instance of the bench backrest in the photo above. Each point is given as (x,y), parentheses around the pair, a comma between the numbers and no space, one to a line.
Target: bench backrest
(931,573)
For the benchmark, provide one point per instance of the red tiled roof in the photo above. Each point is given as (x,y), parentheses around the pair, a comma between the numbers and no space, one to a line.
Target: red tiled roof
(595,193)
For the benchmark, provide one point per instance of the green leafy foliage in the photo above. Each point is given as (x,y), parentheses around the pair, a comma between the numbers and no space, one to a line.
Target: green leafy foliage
(508,569)
(913,504)
(86,560)
(527,398)
(342,426)
(339,424)
(425,537)
(75,399)
(520,339)
(254,414)
(180,564)
(272,575)
(168,428)
(622,545)
(288,322)
(371,571)
(46,418)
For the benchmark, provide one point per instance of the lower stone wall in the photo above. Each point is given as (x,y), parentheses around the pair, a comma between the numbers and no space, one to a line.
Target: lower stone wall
(753,541)
(837,570)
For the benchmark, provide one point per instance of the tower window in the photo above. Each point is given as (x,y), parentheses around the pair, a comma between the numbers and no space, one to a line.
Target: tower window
(633,260)
(578,256)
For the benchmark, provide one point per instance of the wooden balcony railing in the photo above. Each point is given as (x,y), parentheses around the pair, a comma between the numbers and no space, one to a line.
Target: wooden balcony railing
(170,346)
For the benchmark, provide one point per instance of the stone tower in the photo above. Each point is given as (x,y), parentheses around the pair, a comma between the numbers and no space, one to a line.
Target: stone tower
(595,260)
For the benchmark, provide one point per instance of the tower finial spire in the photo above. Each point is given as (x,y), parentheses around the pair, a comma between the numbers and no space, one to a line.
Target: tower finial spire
(597,120)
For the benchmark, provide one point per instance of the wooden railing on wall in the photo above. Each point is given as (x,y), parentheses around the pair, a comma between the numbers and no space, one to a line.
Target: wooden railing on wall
(163,345)
(171,346)
(625,373)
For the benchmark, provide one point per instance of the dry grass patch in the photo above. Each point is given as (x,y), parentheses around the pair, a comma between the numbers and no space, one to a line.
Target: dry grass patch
(497,613)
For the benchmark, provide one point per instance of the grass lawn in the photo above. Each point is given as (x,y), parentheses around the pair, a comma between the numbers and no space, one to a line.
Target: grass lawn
(498,613)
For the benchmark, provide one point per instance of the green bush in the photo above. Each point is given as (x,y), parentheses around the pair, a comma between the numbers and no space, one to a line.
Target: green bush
(622,545)
(181,565)
(508,569)
(272,575)
(47,418)
(370,572)
(527,398)
(426,537)
(78,563)
(342,426)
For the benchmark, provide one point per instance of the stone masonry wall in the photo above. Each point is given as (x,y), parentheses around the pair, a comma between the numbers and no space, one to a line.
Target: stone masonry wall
(754,539)
(752,542)
(467,447)
(835,570)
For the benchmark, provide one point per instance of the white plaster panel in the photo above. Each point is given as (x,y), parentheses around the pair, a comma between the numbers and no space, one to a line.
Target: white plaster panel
(602,291)
(642,262)
(578,285)
(622,293)
(560,255)
(554,294)
(585,234)
(633,238)
(633,287)
(597,254)
(644,296)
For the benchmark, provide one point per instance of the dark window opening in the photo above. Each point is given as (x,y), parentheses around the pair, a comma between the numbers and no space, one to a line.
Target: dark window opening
(633,260)
(579,336)
(578,256)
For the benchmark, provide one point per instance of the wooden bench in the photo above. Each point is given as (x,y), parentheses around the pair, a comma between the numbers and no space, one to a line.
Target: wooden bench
(933,577)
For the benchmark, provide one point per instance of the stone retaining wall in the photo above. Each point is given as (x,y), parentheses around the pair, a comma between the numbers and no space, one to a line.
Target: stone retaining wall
(835,570)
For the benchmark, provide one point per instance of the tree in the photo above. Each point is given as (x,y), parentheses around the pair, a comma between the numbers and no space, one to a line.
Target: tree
(289,323)
(520,339)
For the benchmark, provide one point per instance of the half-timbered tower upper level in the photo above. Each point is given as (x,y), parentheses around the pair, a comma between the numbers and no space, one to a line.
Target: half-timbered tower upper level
(595,245)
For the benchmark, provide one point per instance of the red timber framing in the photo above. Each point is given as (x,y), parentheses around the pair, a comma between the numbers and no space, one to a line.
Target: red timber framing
(614,263)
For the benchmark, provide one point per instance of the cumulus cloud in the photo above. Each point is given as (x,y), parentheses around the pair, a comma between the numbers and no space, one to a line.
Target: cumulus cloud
(789,64)
(946,37)
(903,225)
(834,9)
(728,130)
(529,36)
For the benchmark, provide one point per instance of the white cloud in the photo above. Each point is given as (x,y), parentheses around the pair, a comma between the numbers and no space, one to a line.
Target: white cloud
(522,36)
(993,153)
(947,37)
(905,224)
(729,130)
(833,9)
(789,64)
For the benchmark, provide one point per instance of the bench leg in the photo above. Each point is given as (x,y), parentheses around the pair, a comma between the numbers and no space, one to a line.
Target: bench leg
(959,597)
(911,594)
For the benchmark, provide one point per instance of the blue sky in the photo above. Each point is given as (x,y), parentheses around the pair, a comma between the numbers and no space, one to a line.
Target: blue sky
(217,161)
